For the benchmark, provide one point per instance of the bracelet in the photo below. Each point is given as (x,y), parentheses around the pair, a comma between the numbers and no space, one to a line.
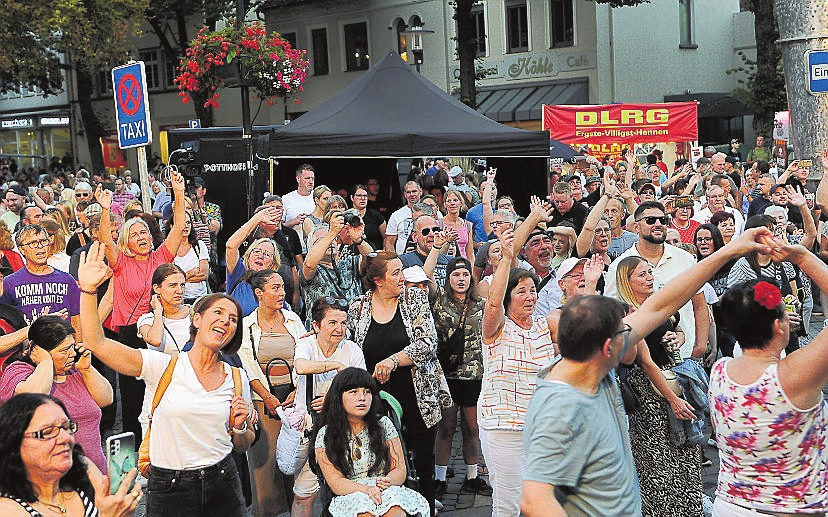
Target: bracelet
(93,293)
(242,430)
(396,362)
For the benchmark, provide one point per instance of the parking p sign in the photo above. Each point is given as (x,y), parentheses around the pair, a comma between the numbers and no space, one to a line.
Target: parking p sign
(131,105)
(817,61)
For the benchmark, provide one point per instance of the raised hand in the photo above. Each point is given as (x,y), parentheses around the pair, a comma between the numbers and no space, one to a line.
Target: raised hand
(439,240)
(795,197)
(507,239)
(103,197)
(542,208)
(93,271)
(593,269)
(336,223)
(269,215)
(177,181)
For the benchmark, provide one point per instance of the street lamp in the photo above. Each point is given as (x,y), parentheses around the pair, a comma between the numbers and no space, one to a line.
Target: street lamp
(415,33)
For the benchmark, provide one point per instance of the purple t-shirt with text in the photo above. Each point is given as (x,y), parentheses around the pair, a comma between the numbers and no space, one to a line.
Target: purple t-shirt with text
(34,294)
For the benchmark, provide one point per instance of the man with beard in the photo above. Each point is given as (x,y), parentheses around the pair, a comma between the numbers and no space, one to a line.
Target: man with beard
(15,200)
(424,229)
(668,262)
(762,201)
(566,209)
(716,203)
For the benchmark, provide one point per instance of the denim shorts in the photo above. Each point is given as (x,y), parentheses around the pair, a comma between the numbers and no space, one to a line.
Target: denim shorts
(206,492)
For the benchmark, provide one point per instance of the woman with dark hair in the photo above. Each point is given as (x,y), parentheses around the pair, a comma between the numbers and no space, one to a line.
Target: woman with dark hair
(394,327)
(669,474)
(708,240)
(360,453)
(56,365)
(44,469)
(782,274)
(515,347)
(457,308)
(200,420)
(193,258)
(726,224)
(270,332)
(323,354)
(767,411)
(373,219)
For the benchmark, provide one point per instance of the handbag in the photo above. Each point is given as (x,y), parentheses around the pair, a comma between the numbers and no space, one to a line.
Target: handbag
(292,446)
(450,350)
(163,383)
(272,369)
(628,394)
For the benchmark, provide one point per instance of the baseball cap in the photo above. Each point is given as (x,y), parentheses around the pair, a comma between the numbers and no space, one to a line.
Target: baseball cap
(455,171)
(414,274)
(17,189)
(646,186)
(776,187)
(567,266)
(93,209)
(593,179)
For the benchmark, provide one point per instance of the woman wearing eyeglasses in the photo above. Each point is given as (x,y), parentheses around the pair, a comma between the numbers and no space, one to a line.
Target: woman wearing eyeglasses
(669,474)
(270,332)
(44,471)
(133,261)
(261,254)
(394,326)
(56,365)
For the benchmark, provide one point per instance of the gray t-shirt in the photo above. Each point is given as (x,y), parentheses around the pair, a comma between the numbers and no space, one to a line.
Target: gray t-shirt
(619,245)
(579,444)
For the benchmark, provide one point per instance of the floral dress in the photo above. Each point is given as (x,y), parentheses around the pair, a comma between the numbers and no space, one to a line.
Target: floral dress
(357,503)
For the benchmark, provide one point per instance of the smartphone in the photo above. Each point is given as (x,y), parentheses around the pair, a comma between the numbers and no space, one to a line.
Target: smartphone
(805,163)
(120,458)
(683,202)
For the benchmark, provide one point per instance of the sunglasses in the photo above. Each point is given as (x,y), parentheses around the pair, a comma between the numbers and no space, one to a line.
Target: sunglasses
(652,219)
(336,302)
(82,194)
(426,231)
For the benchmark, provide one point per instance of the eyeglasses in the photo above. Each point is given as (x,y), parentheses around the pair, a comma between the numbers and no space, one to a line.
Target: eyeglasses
(336,302)
(625,332)
(602,230)
(495,224)
(652,219)
(40,243)
(48,433)
(704,239)
(360,195)
(426,231)
(262,253)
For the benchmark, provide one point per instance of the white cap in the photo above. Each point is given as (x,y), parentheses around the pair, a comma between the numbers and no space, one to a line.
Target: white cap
(567,266)
(455,171)
(415,274)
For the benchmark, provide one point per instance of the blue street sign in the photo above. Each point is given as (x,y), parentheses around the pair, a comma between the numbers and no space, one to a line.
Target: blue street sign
(195,123)
(817,61)
(131,105)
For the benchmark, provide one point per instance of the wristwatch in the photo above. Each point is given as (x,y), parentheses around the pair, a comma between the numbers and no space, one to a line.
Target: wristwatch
(242,430)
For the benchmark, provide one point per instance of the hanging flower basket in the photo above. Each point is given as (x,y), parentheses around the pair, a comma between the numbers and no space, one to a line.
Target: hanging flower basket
(241,57)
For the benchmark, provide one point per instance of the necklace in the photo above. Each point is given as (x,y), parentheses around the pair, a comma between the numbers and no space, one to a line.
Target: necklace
(59,507)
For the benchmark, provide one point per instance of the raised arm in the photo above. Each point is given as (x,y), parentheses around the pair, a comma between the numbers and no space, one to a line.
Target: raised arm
(175,235)
(317,251)
(92,273)
(488,213)
(494,315)
(104,198)
(266,215)
(541,211)
(677,292)
(584,242)
(797,199)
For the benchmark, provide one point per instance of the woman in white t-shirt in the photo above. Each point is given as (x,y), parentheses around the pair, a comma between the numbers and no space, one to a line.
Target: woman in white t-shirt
(193,258)
(167,327)
(200,420)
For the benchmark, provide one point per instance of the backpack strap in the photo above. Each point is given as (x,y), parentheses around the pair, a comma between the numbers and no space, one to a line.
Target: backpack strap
(237,391)
(166,377)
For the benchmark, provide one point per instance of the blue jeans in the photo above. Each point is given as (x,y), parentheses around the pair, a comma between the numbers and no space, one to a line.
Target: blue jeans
(207,492)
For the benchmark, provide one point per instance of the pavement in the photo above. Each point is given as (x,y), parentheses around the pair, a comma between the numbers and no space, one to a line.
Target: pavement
(456,504)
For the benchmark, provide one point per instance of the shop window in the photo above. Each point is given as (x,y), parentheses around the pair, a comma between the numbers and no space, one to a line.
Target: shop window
(517,27)
(479,17)
(688,38)
(319,44)
(562,23)
(356,46)
(402,39)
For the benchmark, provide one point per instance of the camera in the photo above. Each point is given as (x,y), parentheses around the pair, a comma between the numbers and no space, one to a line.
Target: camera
(683,202)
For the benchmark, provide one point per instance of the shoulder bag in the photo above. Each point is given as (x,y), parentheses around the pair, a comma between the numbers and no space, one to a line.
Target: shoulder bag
(450,349)
(292,445)
(166,377)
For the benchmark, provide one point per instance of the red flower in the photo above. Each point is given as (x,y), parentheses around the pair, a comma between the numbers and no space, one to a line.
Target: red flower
(767,295)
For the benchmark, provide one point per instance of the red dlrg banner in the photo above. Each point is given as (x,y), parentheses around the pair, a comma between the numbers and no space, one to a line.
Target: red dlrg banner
(622,123)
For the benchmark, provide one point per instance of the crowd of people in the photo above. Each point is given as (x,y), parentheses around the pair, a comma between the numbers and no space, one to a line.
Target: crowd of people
(582,344)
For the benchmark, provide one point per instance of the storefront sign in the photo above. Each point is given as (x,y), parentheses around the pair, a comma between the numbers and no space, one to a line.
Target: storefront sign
(16,123)
(531,65)
(622,123)
(54,120)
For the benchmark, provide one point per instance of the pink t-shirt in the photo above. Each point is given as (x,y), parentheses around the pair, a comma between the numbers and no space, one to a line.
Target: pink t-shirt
(79,402)
(133,285)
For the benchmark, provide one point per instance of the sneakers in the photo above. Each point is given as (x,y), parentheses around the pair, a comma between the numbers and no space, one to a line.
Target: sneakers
(476,485)
(711,442)
(440,488)
(705,461)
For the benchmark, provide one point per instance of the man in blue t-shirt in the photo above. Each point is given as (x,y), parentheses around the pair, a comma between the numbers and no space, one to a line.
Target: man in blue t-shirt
(475,216)
(38,288)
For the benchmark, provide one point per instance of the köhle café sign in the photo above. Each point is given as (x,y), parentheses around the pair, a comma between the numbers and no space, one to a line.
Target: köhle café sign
(622,123)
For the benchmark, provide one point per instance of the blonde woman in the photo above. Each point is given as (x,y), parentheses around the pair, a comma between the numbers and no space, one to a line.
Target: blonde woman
(452,222)
(58,258)
(321,195)
(261,254)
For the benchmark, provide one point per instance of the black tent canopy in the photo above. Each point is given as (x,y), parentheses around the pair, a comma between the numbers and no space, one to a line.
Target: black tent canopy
(392,111)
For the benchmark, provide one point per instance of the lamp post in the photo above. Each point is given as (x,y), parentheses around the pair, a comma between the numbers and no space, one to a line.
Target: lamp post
(415,34)
(247,124)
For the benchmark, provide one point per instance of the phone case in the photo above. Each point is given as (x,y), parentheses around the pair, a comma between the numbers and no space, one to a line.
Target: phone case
(120,458)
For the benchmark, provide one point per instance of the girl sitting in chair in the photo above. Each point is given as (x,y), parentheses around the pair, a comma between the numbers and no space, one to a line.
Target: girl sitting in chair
(360,454)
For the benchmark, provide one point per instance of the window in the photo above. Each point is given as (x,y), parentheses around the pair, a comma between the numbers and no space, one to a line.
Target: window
(517,28)
(686,24)
(402,42)
(152,69)
(356,46)
(170,66)
(563,23)
(290,37)
(479,29)
(319,43)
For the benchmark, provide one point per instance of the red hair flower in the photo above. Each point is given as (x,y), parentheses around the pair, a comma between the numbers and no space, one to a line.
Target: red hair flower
(767,295)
